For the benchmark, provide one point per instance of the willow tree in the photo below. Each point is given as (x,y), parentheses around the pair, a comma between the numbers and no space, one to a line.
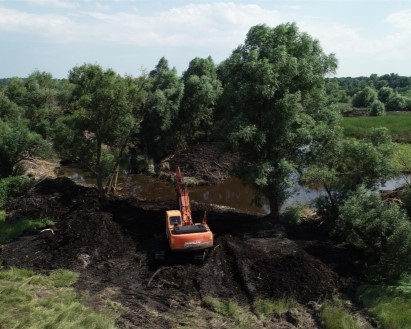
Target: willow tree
(105,111)
(272,103)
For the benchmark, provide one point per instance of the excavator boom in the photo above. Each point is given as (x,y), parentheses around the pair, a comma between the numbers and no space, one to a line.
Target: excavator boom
(182,233)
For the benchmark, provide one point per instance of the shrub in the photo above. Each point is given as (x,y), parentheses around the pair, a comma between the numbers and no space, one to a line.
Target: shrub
(293,214)
(13,186)
(381,230)
(377,108)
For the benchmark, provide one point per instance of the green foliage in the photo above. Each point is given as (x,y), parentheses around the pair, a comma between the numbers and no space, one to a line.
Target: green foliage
(2,215)
(30,300)
(160,127)
(377,108)
(365,97)
(389,304)
(398,125)
(406,199)
(385,93)
(402,157)
(9,111)
(293,214)
(225,307)
(335,316)
(265,307)
(201,92)
(13,229)
(348,163)
(396,103)
(273,98)
(105,112)
(13,186)
(381,230)
(18,143)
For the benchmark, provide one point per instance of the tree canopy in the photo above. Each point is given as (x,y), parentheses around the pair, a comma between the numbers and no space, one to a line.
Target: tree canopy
(273,98)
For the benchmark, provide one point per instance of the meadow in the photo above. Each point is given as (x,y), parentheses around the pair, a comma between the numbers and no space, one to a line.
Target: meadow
(397,123)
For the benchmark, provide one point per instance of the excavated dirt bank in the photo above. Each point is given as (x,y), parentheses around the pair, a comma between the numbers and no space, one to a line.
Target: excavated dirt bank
(113,249)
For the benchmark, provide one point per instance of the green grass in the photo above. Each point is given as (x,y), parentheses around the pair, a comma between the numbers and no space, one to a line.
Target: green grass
(265,307)
(389,304)
(226,307)
(12,229)
(335,316)
(29,300)
(402,156)
(397,123)
(231,309)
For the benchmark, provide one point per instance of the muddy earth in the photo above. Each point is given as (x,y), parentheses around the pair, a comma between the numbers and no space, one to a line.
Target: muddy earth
(112,248)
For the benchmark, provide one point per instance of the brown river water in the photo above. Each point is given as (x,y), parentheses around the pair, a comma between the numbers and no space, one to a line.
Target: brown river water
(230,193)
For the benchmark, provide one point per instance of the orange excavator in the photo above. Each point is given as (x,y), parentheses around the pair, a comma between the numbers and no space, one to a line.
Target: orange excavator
(183,234)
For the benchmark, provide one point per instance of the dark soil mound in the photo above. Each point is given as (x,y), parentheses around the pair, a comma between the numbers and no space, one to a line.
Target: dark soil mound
(113,247)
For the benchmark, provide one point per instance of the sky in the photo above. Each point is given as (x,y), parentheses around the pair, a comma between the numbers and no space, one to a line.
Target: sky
(130,36)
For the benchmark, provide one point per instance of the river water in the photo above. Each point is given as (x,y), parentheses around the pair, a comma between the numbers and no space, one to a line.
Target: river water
(230,193)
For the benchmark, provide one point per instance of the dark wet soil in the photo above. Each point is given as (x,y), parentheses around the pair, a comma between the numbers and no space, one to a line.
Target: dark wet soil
(113,248)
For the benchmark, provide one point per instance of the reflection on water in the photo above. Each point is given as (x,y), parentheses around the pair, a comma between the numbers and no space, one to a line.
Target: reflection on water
(230,193)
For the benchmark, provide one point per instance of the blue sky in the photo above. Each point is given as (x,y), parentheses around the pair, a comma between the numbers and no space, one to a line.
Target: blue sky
(130,36)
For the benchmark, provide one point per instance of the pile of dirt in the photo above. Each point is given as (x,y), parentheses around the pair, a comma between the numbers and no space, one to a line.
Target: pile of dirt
(113,248)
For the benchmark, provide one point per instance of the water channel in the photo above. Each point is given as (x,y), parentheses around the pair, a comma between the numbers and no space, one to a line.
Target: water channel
(230,193)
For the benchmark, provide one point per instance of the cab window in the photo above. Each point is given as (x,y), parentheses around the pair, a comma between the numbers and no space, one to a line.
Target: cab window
(175,220)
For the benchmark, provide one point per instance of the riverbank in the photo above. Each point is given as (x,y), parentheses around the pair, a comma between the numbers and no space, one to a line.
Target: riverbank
(253,260)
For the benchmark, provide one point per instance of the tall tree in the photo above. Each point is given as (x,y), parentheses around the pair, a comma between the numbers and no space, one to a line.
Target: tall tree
(159,127)
(102,120)
(273,99)
(202,88)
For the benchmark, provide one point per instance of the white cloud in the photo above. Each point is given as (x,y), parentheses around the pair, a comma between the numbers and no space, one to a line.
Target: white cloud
(401,20)
(214,24)
(60,4)
(45,24)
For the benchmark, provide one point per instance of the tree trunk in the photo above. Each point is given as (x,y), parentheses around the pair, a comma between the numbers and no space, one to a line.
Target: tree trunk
(274,208)
(99,179)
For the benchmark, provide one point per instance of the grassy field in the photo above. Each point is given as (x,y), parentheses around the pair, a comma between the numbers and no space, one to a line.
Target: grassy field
(389,304)
(397,123)
(29,300)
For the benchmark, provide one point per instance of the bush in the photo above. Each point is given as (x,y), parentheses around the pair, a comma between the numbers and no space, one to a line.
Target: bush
(365,97)
(293,214)
(377,109)
(13,186)
(381,230)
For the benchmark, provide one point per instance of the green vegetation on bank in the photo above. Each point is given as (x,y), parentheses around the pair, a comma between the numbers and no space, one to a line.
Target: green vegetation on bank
(13,186)
(12,229)
(336,316)
(266,307)
(398,125)
(389,304)
(29,300)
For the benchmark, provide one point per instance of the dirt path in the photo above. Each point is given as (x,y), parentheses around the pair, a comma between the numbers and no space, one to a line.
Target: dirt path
(113,250)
